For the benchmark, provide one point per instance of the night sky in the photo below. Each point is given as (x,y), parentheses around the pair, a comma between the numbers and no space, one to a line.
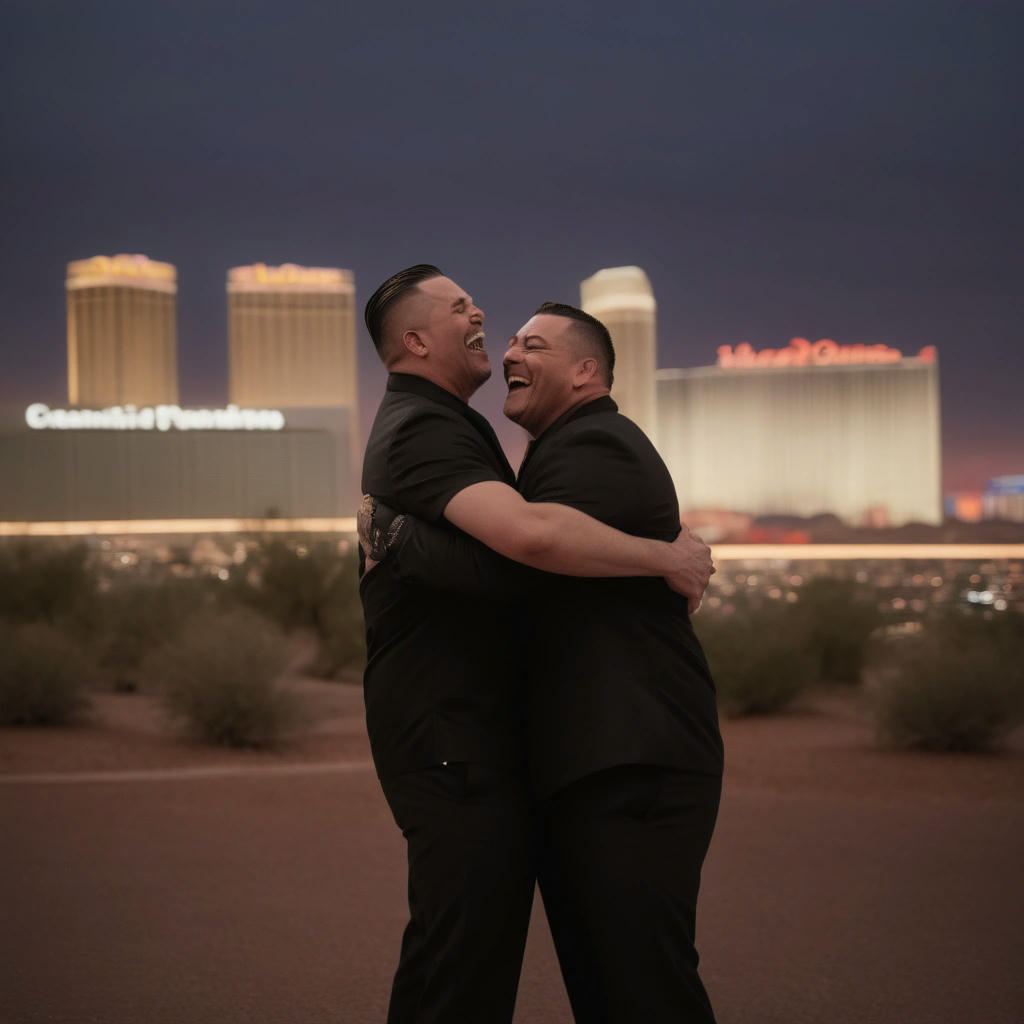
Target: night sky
(844,170)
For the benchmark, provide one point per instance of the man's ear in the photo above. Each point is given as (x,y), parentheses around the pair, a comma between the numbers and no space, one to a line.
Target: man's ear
(414,344)
(585,372)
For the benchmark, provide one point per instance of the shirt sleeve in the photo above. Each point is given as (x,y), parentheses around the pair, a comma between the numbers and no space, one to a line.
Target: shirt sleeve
(433,455)
(445,558)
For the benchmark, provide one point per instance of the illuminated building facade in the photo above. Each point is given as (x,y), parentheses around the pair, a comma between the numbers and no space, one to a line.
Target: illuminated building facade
(1004,499)
(165,462)
(122,331)
(851,430)
(622,299)
(292,337)
(286,445)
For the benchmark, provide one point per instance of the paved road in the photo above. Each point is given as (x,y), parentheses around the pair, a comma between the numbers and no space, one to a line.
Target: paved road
(270,897)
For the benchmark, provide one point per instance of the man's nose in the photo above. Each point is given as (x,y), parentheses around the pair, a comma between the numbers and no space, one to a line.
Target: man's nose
(476,316)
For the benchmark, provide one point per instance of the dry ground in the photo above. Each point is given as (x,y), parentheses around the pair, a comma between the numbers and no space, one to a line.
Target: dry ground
(145,879)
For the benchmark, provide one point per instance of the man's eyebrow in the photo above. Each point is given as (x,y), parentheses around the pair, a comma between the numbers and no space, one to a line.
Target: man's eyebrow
(462,300)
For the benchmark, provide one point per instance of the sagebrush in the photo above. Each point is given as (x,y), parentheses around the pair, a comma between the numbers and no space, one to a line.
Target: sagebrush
(957,685)
(220,680)
(43,676)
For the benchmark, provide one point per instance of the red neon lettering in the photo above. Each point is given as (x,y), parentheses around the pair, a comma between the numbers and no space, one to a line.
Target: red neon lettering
(824,352)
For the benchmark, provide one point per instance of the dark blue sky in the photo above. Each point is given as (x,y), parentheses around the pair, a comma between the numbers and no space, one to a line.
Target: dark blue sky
(846,170)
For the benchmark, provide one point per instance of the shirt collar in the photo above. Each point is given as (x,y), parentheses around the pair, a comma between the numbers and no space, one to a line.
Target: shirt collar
(409,382)
(604,403)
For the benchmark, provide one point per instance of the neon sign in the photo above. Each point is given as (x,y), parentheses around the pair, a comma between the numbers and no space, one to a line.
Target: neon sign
(825,352)
(158,417)
(288,274)
(123,266)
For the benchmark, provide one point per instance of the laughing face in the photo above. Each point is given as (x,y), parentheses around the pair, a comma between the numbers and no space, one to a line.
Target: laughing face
(451,327)
(545,373)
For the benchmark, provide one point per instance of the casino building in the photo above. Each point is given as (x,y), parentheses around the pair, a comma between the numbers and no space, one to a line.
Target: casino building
(122,331)
(622,299)
(851,430)
(286,444)
(291,336)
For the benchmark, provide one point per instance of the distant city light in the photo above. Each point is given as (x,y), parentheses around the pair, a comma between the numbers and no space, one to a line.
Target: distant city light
(158,527)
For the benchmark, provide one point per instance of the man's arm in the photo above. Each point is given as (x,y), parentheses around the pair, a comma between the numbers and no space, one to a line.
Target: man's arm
(438,556)
(560,539)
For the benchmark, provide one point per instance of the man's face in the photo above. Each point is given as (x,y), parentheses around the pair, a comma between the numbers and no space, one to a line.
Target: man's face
(541,367)
(452,328)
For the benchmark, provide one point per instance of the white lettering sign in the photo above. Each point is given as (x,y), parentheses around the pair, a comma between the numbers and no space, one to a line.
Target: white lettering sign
(160,417)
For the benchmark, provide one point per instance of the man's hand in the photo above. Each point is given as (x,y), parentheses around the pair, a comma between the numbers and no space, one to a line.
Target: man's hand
(365,529)
(378,527)
(693,568)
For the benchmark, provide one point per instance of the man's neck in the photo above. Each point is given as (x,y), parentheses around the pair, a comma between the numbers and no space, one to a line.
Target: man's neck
(427,372)
(577,402)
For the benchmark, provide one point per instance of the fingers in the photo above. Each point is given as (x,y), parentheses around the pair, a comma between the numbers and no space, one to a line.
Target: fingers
(364,523)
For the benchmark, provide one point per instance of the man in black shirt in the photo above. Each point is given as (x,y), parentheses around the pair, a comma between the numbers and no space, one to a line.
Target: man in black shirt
(624,748)
(442,683)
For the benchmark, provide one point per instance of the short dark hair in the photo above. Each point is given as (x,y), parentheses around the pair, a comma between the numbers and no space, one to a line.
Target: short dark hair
(591,330)
(385,297)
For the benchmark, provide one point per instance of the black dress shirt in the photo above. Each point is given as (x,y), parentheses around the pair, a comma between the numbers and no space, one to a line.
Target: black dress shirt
(441,683)
(616,674)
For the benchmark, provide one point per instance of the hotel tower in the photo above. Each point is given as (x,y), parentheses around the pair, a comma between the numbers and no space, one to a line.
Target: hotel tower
(122,332)
(292,337)
(811,428)
(621,298)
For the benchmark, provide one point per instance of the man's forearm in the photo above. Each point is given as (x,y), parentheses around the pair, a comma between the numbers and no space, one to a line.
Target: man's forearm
(565,540)
(555,538)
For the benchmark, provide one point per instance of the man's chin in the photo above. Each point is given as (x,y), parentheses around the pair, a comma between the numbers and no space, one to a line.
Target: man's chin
(512,411)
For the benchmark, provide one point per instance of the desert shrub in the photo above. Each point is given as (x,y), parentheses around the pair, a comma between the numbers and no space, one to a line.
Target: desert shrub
(958,685)
(315,586)
(127,623)
(757,656)
(837,618)
(43,582)
(293,580)
(219,680)
(42,677)
(341,632)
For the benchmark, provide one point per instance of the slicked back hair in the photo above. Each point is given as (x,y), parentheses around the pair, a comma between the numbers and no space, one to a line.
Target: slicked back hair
(385,297)
(591,330)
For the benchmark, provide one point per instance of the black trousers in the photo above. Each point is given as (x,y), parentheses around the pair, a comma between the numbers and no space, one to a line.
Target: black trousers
(620,863)
(471,881)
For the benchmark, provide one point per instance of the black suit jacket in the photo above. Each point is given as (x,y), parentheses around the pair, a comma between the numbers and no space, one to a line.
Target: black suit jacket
(615,672)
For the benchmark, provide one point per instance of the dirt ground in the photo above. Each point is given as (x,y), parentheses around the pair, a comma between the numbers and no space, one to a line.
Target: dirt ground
(146,879)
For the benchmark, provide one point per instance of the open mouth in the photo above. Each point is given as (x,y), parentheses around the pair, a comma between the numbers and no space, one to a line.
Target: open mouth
(515,382)
(476,342)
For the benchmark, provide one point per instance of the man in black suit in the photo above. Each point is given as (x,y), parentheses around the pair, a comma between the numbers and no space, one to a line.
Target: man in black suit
(442,686)
(623,741)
